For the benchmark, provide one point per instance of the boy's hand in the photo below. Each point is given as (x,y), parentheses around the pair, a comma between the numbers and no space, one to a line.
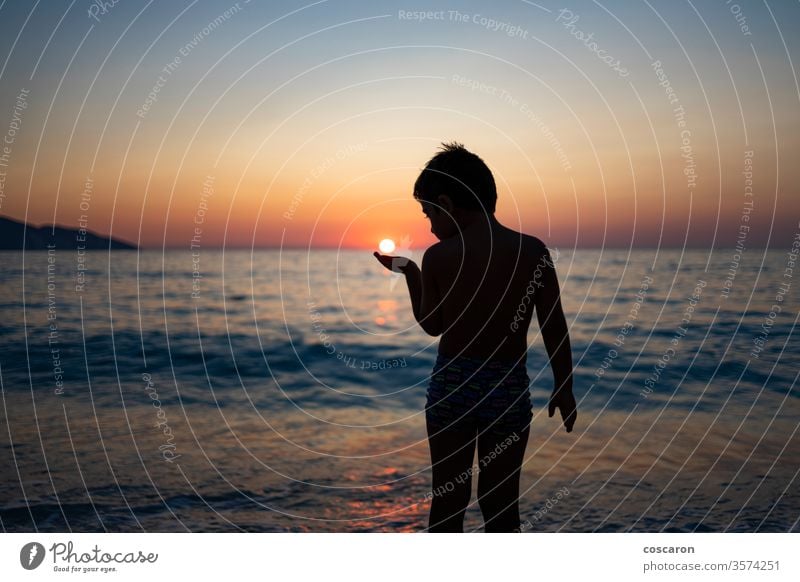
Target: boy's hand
(565,401)
(395,264)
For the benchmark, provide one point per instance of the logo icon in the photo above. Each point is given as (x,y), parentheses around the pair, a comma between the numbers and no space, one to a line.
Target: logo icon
(404,254)
(31,555)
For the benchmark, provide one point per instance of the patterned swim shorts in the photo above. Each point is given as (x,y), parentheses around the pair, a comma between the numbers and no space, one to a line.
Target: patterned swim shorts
(475,393)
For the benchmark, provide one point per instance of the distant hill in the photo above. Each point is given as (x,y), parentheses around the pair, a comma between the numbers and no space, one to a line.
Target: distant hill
(14,236)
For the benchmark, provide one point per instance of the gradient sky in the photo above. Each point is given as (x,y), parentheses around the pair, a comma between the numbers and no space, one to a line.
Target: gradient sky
(306,123)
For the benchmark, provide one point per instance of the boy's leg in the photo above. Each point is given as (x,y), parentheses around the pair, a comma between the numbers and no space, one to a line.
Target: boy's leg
(452,452)
(499,467)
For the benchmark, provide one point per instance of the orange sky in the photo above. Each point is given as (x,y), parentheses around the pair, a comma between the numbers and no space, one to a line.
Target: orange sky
(318,142)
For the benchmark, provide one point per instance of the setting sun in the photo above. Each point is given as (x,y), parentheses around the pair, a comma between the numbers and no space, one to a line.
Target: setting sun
(386,246)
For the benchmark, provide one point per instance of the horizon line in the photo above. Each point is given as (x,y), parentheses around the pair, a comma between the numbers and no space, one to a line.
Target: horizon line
(370,249)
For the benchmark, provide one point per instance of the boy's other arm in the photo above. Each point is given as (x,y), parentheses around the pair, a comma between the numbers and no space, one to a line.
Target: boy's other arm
(555,334)
(424,292)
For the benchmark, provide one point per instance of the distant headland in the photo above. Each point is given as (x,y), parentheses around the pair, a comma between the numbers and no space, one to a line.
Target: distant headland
(15,235)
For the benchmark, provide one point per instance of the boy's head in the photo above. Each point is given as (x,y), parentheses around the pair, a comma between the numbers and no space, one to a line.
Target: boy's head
(456,180)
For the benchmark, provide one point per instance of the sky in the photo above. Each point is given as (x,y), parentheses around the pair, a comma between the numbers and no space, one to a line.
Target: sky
(304,124)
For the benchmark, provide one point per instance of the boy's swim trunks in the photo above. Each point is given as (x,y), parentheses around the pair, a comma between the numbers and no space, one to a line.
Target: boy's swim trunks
(470,392)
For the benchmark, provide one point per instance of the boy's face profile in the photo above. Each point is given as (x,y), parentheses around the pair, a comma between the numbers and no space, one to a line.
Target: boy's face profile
(442,224)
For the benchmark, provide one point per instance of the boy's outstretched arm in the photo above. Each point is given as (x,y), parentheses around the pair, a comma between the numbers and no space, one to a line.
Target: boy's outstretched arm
(422,289)
(555,333)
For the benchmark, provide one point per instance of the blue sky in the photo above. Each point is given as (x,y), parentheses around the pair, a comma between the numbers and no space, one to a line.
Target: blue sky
(273,88)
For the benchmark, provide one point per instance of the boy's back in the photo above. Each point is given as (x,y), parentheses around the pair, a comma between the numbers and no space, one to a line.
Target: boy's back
(487,280)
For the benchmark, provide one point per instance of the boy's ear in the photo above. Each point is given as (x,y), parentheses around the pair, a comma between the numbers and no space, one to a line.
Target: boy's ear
(445,203)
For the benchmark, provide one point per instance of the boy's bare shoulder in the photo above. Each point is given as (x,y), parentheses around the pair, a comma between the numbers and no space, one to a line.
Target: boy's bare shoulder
(446,251)
(530,244)
(436,254)
(534,242)
(443,250)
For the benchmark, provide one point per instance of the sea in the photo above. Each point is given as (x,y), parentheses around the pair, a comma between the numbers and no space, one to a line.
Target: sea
(284,391)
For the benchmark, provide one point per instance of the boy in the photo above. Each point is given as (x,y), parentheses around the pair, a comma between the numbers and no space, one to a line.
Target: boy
(477,288)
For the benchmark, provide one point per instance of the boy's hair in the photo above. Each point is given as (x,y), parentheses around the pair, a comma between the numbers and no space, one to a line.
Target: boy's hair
(460,174)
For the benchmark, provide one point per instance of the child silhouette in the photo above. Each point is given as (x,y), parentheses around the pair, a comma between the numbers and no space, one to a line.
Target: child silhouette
(478,288)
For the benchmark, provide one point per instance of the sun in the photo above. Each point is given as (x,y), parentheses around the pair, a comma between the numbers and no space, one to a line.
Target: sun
(386,246)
